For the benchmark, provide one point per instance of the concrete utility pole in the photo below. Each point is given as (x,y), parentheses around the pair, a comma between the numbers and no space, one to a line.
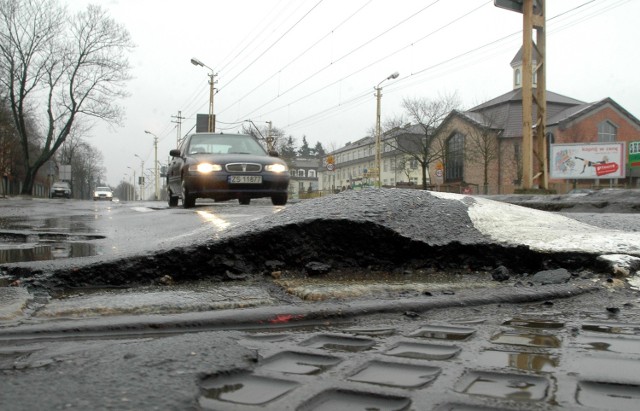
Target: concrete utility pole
(378,136)
(141,177)
(533,12)
(178,121)
(270,139)
(155,147)
(212,120)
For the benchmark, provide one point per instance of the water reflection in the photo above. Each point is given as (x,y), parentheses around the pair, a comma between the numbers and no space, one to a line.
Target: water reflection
(50,251)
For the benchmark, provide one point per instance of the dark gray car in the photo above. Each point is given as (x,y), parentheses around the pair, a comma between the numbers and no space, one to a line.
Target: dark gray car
(60,189)
(224,167)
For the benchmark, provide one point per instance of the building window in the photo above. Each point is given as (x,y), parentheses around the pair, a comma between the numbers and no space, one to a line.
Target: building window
(454,157)
(312,173)
(517,77)
(607,132)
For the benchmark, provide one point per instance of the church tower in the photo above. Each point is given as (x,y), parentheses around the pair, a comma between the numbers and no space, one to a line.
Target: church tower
(516,64)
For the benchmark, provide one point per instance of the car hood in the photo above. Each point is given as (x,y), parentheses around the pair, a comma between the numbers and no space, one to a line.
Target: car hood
(235,158)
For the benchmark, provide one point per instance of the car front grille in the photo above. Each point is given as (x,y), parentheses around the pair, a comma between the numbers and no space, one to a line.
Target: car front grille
(243,167)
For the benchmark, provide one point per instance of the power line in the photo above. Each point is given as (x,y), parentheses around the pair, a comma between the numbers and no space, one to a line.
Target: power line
(413,76)
(344,56)
(301,54)
(273,44)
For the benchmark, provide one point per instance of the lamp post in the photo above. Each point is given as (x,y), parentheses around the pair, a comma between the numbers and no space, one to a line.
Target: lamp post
(141,177)
(133,182)
(212,122)
(378,137)
(155,146)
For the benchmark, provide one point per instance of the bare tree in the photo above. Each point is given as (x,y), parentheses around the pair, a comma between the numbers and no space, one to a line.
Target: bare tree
(481,145)
(428,114)
(59,68)
(87,170)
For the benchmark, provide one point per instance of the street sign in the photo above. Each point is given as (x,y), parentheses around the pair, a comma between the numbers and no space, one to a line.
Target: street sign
(517,5)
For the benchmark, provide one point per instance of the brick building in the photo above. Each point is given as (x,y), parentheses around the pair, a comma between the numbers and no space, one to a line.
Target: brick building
(483,146)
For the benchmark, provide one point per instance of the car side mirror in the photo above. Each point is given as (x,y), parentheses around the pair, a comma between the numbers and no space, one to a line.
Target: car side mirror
(274,153)
(174,153)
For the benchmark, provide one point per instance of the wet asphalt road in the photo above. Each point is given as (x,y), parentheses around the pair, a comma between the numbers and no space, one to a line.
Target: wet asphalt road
(497,345)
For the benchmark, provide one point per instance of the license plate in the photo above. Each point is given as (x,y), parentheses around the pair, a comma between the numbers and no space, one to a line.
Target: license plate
(245,179)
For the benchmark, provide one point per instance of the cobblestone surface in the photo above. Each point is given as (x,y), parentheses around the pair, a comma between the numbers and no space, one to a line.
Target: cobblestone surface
(527,357)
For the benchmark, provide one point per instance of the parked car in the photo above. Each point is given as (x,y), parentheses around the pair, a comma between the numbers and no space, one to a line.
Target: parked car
(102,193)
(223,167)
(60,189)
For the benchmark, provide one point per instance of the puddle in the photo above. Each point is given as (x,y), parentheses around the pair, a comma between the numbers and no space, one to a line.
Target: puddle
(332,400)
(443,332)
(246,389)
(519,360)
(506,386)
(526,339)
(339,343)
(47,251)
(612,328)
(47,239)
(533,323)
(396,375)
(299,363)
(424,351)
(602,396)
(67,224)
(620,345)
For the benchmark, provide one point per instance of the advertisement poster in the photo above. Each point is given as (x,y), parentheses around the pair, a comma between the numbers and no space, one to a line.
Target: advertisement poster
(634,154)
(592,161)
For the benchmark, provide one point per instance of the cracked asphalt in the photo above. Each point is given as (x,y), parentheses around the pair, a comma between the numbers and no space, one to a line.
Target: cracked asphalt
(522,343)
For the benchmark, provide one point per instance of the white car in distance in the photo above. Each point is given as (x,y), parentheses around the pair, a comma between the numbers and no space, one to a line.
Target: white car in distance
(102,193)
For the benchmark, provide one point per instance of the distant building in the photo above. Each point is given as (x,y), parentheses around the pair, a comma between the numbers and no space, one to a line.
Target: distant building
(350,167)
(481,148)
(304,176)
(497,124)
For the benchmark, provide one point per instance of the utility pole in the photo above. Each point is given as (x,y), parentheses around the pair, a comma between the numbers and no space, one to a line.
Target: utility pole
(270,139)
(378,131)
(155,146)
(533,16)
(178,121)
(212,120)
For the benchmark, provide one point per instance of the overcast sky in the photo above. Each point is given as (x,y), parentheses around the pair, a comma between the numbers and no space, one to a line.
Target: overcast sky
(310,66)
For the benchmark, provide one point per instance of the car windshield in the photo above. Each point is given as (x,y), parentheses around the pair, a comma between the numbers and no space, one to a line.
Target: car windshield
(225,144)
(103,189)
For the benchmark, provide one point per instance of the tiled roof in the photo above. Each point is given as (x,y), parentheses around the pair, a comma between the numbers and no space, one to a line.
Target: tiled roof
(506,110)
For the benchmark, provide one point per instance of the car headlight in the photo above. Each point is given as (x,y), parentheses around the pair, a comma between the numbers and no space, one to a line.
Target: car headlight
(276,168)
(205,168)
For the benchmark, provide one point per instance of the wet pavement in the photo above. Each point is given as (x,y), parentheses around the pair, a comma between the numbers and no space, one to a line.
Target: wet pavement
(409,316)
(571,346)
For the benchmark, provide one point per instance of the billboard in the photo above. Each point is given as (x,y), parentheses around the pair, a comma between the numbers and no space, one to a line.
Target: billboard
(634,154)
(587,161)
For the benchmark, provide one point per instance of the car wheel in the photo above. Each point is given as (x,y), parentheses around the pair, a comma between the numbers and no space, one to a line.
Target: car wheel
(188,200)
(173,200)
(279,199)
(244,200)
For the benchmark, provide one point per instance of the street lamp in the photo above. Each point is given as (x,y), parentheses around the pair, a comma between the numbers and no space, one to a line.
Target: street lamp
(133,184)
(141,177)
(378,137)
(155,146)
(212,122)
